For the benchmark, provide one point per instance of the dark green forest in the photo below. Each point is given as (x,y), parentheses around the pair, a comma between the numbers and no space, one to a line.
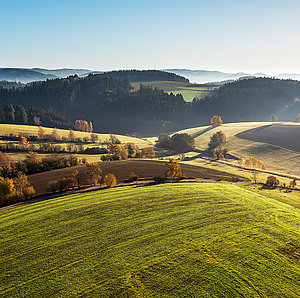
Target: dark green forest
(110,103)
(9,85)
(16,114)
(134,76)
(114,106)
(252,100)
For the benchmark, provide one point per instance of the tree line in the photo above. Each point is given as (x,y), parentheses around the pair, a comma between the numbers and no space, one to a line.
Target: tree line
(17,114)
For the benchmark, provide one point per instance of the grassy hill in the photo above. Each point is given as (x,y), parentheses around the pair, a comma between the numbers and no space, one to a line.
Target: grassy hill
(189,240)
(6,129)
(272,143)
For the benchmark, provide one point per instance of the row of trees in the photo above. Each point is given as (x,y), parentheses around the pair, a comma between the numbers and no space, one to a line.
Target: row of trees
(89,175)
(83,125)
(130,150)
(274,182)
(32,163)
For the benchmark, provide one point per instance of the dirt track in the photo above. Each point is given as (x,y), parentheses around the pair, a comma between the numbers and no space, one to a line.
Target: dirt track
(145,169)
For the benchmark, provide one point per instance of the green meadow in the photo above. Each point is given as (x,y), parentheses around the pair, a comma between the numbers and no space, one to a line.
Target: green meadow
(179,240)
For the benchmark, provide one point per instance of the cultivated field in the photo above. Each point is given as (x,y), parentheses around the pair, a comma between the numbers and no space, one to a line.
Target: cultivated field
(146,169)
(6,129)
(179,240)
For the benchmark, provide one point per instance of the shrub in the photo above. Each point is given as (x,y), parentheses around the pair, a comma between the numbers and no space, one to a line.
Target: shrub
(272,181)
(158,179)
(293,183)
(52,186)
(235,179)
(61,184)
(110,180)
(148,152)
(133,177)
(29,192)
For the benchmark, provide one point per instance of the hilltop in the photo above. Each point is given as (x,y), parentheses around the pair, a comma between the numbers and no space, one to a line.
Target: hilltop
(276,144)
(199,239)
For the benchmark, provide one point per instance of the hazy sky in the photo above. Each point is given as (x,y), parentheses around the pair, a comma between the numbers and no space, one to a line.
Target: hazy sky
(244,35)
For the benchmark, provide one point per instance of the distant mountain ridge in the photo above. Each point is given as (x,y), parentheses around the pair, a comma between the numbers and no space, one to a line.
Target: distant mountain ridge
(208,76)
(63,72)
(23,75)
(28,75)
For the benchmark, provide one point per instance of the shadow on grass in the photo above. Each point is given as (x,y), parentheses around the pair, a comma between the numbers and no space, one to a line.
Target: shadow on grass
(286,190)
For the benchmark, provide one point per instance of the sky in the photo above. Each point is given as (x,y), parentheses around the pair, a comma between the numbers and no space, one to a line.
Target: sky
(232,36)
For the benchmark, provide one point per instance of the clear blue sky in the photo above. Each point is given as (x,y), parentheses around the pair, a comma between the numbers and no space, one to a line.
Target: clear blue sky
(244,35)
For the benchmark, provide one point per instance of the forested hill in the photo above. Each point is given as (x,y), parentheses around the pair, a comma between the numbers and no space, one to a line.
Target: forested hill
(16,114)
(135,76)
(114,106)
(110,103)
(253,100)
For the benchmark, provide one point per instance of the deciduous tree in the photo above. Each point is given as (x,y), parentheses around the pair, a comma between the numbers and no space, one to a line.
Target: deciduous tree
(216,121)
(273,118)
(110,180)
(216,140)
(41,132)
(272,181)
(71,135)
(173,170)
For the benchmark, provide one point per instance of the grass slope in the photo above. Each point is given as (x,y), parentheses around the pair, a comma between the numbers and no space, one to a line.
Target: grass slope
(6,129)
(182,240)
(277,158)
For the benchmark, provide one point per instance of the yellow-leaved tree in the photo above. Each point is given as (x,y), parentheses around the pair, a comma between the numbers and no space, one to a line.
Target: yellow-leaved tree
(173,170)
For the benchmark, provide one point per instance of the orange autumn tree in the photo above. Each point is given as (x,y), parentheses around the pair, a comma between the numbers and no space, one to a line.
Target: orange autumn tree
(7,190)
(216,121)
(173,170)
(83,125)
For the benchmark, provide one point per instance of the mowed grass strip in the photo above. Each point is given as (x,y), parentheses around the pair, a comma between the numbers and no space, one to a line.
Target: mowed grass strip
(198,239)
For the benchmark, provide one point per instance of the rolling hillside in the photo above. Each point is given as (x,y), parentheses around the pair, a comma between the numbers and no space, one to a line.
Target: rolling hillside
(199,240)
(6,129)
(276,144)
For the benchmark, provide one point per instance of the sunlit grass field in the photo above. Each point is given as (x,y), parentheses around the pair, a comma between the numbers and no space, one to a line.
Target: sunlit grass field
(6,129)
(276,158)
(179,240)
